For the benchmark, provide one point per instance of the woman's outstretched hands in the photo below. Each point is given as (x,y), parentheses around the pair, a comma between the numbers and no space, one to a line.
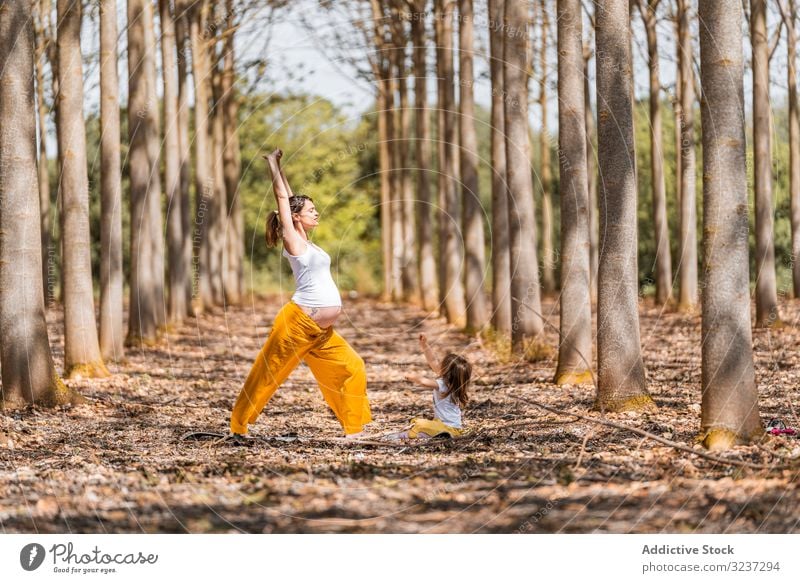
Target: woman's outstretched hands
(276,155)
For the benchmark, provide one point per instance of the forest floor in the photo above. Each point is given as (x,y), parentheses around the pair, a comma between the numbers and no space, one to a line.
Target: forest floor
(120,463)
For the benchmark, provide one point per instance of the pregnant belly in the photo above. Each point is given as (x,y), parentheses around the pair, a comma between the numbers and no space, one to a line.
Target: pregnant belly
(325,316)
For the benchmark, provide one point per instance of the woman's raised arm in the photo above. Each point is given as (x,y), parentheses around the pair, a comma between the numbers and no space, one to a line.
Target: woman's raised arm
(292,241)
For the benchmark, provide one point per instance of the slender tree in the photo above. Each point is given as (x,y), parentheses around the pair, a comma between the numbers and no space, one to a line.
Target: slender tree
(730,400)
(621,375)
(217,263)
(144,182)
(405,251)
(525,293)
(204,178)
(501,272)
(427,263)
(789,16)
(40,40)
(28,373)
(172,167)
(82,356)
(663,267)
(232,161)
(575,346)
(153,141)
(766,287)
(182,44)
(450,242)
(688,166)
(384,104)
(591,171)
(112,333)
(548,254)
(475,256)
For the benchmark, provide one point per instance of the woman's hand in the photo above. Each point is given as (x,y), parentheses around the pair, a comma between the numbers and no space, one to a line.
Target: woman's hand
(274,156)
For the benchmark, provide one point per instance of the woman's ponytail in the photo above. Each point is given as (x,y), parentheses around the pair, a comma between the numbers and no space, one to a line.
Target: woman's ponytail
(274,232)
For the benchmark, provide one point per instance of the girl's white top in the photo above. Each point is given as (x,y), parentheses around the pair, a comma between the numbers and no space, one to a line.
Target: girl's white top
(315,287)
(445,408)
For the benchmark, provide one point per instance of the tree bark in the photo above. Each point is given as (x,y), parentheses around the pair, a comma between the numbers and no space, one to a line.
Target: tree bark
(730,400)
(384,103)
(663,265)
(406,253)
(450,241)
(591,171)
(48,258)
(112,333)
(154,153)
(575,345)
(217,261)
(427,263)
(81,348)
(182,34)
(688,189)
(28,373)
(548,256)
(232,160)
(475,255)
(766,288)
(621,375)
(501,272)
(204,178)
(525,293)
(172,168)
(790,19)
(144,182)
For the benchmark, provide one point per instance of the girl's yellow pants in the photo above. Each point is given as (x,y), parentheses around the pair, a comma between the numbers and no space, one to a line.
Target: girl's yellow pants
(337,367)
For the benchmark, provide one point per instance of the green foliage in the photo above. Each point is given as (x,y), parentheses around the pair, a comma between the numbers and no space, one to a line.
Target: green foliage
(328,157)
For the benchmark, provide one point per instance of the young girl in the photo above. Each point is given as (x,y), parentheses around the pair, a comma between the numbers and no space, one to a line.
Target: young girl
(450,396)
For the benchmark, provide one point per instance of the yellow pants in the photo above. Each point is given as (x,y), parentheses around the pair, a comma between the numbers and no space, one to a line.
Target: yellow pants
(338,369)
(431,428)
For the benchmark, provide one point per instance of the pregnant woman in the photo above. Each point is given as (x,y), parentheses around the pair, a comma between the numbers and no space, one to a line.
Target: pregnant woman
(303,329)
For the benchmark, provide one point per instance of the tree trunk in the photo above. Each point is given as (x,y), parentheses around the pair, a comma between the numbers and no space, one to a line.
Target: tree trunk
(217,262)
(730,400)
(406,253)
(182,34)
(794,142)
(81,348)
(475,255)
(232,160)
(548,256)
(142,319)
(112,334)
(384,101)
(172,168)
(575,345)
(525,293)
(450,242)
(661,226)
(154,154)
(688,189)
(28,373)
(204,178)
(48,263)
(427,263)
(766,288)
(397,153)
(621,375)
(591,171)
(501,271)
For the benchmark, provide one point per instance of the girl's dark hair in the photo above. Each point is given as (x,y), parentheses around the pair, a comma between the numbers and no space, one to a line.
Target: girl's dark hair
(274,234)
(456,374)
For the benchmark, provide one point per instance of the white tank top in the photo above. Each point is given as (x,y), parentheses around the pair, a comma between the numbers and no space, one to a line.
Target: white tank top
(315,287)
